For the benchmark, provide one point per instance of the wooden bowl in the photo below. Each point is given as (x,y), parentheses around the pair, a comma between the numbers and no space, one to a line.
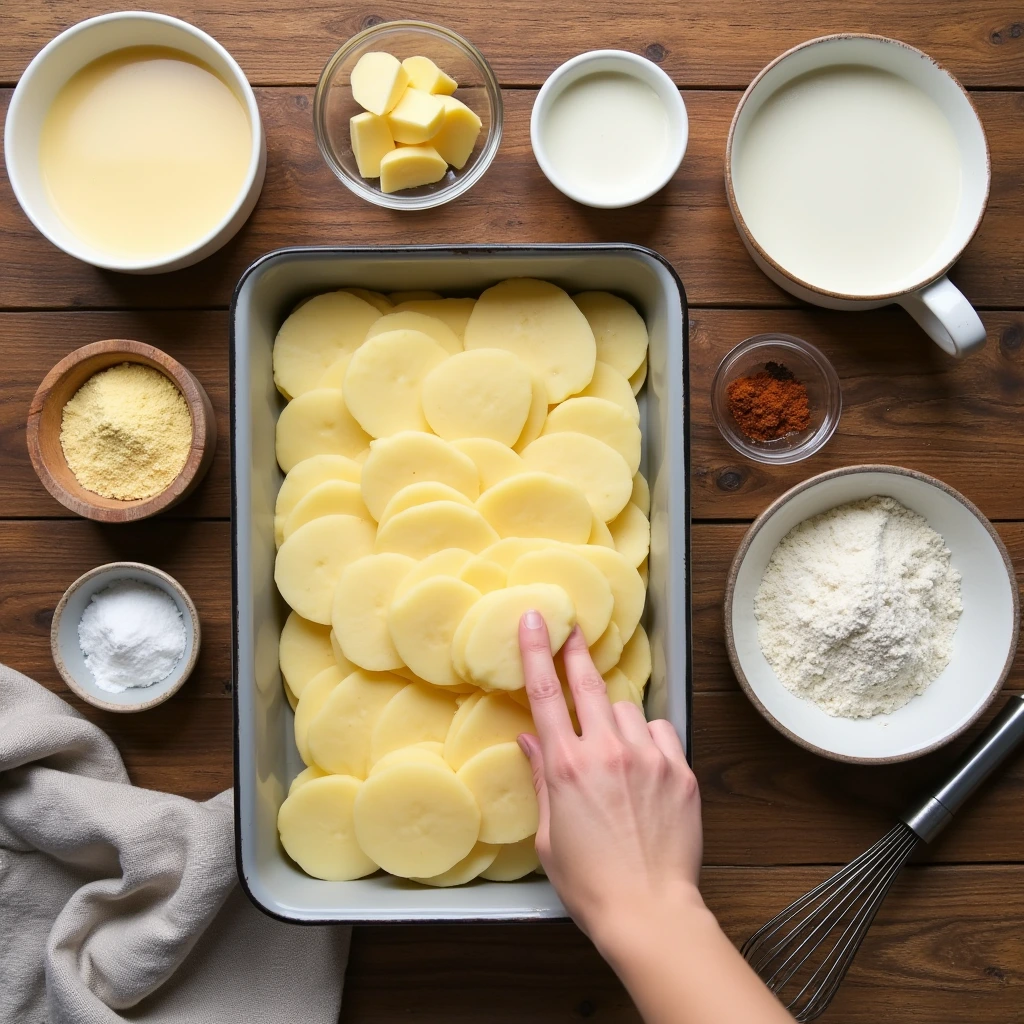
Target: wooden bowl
(44,425)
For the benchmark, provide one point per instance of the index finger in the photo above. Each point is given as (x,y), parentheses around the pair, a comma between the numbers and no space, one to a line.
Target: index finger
(547,702)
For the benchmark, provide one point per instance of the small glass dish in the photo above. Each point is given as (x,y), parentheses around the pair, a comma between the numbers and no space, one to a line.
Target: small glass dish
(809,366)
(333,107)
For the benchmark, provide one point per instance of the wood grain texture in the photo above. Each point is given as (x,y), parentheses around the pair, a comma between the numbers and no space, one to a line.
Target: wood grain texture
(688,221)
(703,43)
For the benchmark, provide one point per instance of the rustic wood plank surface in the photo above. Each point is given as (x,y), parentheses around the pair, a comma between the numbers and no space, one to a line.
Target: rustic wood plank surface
(777,819)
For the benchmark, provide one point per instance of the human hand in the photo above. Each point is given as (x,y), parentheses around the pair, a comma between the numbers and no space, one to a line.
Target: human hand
(620,831)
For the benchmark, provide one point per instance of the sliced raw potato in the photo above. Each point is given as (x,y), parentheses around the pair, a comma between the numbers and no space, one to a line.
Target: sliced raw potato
(409,458)
(628,590)
(339,732)
(423,620)
(334,375)
(510,549)
(631,531)
(306,775)
(378,81)
(460,128)
(537,415)
(478,860)
(501,781)
(621,687)
(376,299)
(619,330)
(306,475)
(635,663)
(420,494)
(418,752)
(483,574)
(315,335)
(483,721)
(606,651)
(346,666)
(418,714)
(465,706)
(539,323)
(317,423)
(313,698)
(416,820)
(494,461)
(609,384)
(305,651)
(459,641)
(371,138)
(293,701)
(382,384)
(407,320)
(483,393)
(413,295)
(317,829)
(593,466)
(426,75)
(644,569)
(454,312)
(538,505)
(586,585)
(641,496)
(410,167)
(513,860)
(359,614)
(331,498)
(416,117)
(602,419)
(424,529)
(600,534)
(311,561)
(636,382)
(492,647)
(446,562)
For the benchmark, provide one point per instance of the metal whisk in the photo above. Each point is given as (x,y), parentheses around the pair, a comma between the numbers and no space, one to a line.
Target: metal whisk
(803,954)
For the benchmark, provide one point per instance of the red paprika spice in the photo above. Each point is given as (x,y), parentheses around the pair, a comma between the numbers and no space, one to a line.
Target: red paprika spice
(770,404)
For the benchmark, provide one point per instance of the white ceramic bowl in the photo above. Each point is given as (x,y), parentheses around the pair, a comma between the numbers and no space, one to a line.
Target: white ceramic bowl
(624,62)
(983,646)
(67,654)
(67,54)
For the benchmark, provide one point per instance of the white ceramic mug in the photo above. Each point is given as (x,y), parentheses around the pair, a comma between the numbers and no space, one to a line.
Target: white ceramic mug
(68,53)
(933,301)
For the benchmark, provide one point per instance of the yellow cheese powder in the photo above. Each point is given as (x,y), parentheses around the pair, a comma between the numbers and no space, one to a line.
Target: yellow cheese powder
(126,432)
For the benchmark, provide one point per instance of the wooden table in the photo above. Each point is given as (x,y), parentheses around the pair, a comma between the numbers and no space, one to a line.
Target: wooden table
(947,945)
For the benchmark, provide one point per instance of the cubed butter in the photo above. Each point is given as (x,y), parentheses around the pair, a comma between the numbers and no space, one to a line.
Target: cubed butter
(411,166)
(416,117)
(426,75)
(378,82)
(371,139)
(458,133)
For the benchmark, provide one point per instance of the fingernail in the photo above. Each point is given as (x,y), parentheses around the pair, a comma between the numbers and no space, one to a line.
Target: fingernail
(524,744)
(533,620)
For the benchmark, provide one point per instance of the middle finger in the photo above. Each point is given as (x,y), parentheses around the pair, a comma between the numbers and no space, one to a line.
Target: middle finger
(589,693)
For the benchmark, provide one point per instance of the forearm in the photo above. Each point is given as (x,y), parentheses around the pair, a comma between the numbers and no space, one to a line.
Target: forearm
(680,968)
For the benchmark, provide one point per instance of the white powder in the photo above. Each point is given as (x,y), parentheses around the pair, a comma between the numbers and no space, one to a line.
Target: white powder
(858,607)
(131,634)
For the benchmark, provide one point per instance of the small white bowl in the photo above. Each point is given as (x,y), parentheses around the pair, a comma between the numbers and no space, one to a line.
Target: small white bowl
(983,646)
(596,62)
(67,54)
(68,656)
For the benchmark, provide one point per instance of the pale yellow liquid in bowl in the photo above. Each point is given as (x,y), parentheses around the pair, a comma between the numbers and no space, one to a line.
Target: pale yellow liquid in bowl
(144,152)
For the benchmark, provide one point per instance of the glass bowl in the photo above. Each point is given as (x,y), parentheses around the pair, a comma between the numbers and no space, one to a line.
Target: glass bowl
(808,366)
(333,106)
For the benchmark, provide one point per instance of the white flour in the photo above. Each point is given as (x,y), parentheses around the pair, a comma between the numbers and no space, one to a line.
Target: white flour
(858,607)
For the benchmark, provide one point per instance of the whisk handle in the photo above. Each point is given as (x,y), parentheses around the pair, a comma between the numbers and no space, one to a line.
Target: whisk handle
(999,740)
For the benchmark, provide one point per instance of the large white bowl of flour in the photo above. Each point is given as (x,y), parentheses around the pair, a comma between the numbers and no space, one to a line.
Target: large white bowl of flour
(984,637)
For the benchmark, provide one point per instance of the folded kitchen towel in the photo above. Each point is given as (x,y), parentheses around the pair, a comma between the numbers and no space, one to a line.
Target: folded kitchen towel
(121,904)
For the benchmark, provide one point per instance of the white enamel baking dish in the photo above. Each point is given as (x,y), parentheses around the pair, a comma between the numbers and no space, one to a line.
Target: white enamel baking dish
(265,755)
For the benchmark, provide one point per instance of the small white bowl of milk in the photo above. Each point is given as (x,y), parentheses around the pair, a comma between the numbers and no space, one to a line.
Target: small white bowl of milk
(609,128)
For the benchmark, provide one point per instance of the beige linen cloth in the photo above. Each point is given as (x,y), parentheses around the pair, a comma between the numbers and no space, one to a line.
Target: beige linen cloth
(121,904)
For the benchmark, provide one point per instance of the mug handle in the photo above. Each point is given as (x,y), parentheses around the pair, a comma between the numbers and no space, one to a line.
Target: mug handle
(948,318)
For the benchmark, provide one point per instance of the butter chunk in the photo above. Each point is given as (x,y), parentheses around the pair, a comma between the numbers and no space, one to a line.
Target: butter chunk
(378,82)
(458,133)
(410,167)
(416,117)
(426,75)
(371,139)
